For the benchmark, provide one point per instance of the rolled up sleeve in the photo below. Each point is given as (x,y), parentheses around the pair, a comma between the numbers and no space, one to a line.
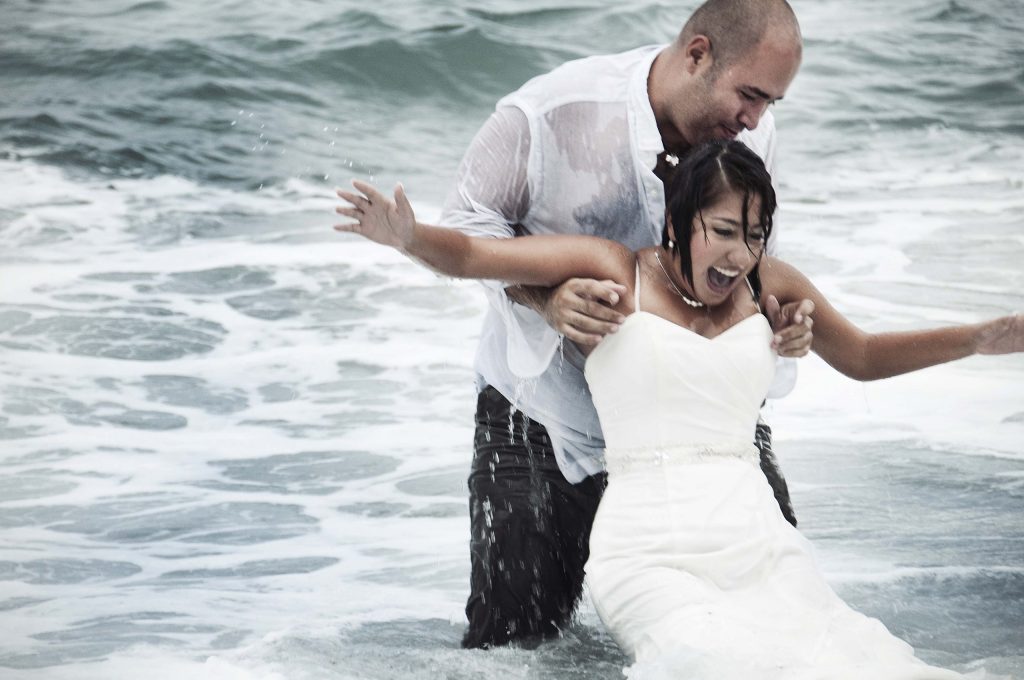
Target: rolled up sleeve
(490,199)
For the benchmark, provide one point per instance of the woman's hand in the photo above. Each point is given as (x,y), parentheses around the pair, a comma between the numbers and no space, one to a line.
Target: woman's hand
(378,218)
(1001,336)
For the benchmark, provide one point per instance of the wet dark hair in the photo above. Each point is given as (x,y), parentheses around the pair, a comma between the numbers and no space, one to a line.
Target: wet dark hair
(704,175)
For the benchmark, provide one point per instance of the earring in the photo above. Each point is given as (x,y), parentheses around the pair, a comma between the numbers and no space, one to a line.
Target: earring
(671,245)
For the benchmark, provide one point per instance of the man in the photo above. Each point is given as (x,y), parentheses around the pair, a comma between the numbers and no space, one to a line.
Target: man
(584,149)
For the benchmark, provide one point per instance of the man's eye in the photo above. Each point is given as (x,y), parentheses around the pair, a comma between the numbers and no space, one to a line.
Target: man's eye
(749,97)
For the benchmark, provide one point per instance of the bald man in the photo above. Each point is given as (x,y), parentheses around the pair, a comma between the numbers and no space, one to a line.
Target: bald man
(585,149)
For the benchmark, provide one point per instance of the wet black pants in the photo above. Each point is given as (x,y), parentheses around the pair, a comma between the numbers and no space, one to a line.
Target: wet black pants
(530,528)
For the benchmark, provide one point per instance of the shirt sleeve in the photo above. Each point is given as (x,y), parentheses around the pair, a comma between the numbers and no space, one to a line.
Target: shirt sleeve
(785,368)
(768,155)
(490,198)
(491,192)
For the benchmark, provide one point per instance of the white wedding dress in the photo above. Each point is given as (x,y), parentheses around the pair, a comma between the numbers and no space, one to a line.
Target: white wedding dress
(693,568)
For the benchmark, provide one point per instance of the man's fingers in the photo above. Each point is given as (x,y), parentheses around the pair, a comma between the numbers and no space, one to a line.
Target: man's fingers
(793,350)
(796,346)
(580,338)
(795,331)
(616,287)
(589,324)
(794,340)
(773,310)
(605,291)
(596,310)
(802,311)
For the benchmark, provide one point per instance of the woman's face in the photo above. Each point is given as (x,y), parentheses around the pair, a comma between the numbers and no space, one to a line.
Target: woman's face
(722,255)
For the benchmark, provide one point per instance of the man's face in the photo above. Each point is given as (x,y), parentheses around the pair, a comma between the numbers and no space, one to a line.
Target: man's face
(732,97)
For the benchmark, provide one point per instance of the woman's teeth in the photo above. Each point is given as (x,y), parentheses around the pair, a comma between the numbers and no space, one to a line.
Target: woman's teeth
(722,278)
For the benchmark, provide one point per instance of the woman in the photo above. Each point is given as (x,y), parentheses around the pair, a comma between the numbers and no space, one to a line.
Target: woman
(692,566)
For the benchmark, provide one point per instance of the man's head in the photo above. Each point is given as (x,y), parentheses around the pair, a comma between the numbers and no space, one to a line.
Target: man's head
(730,61)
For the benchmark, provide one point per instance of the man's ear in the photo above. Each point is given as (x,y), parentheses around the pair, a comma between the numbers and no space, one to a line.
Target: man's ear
(698,54)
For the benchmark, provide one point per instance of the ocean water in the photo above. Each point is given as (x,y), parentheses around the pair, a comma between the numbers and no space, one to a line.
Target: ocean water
(233,443)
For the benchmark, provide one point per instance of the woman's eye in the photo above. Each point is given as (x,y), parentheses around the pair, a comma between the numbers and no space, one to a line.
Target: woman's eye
(723,232)
(757,238)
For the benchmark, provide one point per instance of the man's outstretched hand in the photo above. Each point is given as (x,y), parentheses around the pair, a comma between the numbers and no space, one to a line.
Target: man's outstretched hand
(792,324)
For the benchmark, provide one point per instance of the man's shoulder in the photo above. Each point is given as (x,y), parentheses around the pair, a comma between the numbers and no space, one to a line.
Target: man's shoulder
(598,78)
(761,140)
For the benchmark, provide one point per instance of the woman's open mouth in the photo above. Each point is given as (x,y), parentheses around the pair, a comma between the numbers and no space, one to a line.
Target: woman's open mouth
(720,279)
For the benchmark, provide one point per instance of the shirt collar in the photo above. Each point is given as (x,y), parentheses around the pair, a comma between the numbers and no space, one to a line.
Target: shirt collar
(648,138)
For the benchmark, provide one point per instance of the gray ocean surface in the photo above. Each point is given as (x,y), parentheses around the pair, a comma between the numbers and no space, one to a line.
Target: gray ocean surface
(233,443)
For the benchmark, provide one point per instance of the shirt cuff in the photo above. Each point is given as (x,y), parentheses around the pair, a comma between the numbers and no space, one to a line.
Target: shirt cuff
(530,341)
(785,378)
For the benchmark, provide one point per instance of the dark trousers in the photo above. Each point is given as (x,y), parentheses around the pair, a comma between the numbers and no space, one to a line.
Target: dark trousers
(530,527)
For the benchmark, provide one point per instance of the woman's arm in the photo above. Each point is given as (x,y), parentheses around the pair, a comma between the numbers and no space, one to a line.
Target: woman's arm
(870,356)
(536,260)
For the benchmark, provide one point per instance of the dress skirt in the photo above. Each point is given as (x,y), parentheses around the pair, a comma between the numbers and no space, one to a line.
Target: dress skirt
(695,572)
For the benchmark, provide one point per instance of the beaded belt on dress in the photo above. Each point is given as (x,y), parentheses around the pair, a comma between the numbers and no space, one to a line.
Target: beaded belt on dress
(623,460)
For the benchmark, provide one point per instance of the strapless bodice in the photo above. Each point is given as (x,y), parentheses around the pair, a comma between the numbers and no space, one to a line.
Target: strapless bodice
(658,385)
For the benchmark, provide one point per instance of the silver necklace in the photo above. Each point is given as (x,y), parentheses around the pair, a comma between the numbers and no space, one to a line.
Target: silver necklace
(686,298)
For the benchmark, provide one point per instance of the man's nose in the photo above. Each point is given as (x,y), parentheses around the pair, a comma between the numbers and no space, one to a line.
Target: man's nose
(751,114)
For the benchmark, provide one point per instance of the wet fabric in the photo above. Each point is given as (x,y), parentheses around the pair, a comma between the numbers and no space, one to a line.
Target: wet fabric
(773,472)
(573,151)
(530,527)
(530,530)
(693,569)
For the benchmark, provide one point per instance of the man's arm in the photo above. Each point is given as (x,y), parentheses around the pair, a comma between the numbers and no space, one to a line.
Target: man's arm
(579,309)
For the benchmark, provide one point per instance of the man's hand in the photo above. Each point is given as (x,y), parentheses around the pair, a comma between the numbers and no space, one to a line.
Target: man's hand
(792,324)
(579,309)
